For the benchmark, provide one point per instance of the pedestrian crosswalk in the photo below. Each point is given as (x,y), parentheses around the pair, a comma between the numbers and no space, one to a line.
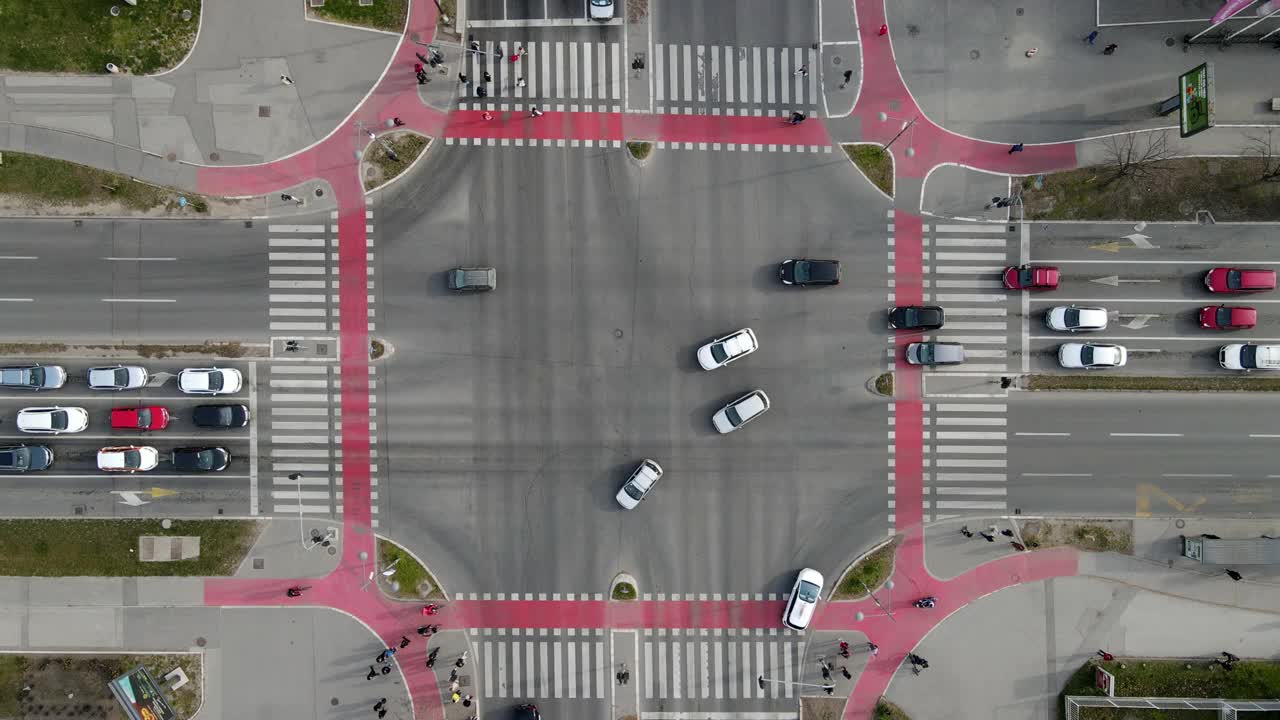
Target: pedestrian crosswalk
(963,264)
(675,664)
(967,443)
(302,297)
(687,79)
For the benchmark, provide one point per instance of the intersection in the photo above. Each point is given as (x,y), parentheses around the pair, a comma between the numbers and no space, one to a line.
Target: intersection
(491,439)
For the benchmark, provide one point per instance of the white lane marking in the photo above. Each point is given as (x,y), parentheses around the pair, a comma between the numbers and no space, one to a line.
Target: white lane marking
(139,259)
(1197,475)
(968,256)
(968,462)
(1057,475)
(19,257)
(1043,434)
(295,228)
(966,298)
(137,300)
(971,477)
(971,421)
(991,284)
(978,339)
(974,325)
(968,505)
(969,242)
(969,269)
(971,352)
(977,311)
(1122,434)
(944,490)
(1259,435)
(17,299)
(971,407)
(945,449)
(969,228)
(295,242)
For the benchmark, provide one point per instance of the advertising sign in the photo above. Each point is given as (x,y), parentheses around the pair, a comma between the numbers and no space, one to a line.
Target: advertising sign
(1195,88)
(139,695)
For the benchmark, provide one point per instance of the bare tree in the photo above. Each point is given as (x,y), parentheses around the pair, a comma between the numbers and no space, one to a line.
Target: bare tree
(1266,148)
(1136,156)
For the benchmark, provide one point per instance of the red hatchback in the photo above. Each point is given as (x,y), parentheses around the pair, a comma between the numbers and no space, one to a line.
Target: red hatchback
(152,417)
(1239,280)
(1228,317)
(1031,277)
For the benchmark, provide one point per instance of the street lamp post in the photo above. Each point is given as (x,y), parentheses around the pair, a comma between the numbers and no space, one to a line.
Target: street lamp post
(888,585)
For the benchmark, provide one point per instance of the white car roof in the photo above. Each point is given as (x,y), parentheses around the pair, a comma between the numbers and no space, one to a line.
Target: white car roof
(743,341)
(113,458)
(1106,354)
(196,378)
(750,406)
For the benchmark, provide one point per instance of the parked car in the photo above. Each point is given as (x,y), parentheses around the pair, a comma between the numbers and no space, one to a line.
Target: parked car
(804,599)
(24,458)
(472,279)
(1076,319)
(148,417)
(117,377)
(210,381)
(128,458)
(220,416)
(915,317)
(805,271)
(200,459)
(528,711)
(722,351)
(1031,277)
(33,377)
(52,420)
(1239,280)
(1228,317)
(644,479)
(601,10)
(1091,356)
(740,411)
(935,353)
(1248,356)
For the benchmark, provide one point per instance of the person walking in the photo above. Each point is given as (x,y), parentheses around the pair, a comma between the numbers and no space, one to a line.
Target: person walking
(1229,657)
(534,112)
(520,82)
(1234,575)
(372,673)
(874,648)
(382,657)
(466,699)
(884,29)
(1106,656)
(455,697)
(386,669)
(1110,49)
(1091,37)
(382,713)
(797,117)
(397,122)
(487,77)
(804,70)
(380,704)
(964,529)
(462,78)
(422,78)
(286,79)
(404,642)
(487,115)
(417,68)
(987,537)
(844,670)
(462,659)
(1015,148)
(425,631)
(848,75)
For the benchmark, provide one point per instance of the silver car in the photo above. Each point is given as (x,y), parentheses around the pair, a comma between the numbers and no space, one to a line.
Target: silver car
(740,411)
(33,377)
(644,479)
(117,377)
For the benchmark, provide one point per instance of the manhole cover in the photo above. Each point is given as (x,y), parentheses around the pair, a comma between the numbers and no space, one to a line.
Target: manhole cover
(215,156)
(975,54)
(332,551)
(1180,524)
(248,224)
(264,111)
(259,563)
(1169,42)
(333,701)
(319,192)
(322,348)
(186,14)
(837,60)
(171,157)
(1019,12)
(617,333)
(201,642)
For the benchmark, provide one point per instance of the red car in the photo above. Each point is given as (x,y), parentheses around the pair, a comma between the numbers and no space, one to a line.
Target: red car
(1228,317)
(1031,277)
(152,417)
(1240,280)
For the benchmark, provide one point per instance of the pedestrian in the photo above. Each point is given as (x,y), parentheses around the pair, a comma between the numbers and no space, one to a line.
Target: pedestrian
(455,697)
(1004,203)
(514,58)
(386,669)
(382,656)
(453,675)
(481,91)
(1234,575)
(1091,37)
(535,112)
(466,700)
(987,537)
(964,529)
(422,78)
(1031,52)
(487,115)
(462,659)
(286,79)
(884,29)
(286,197)
(521,51)
(520,82)
(372,673)
(1106,656)
(1110,49)
(829,688)
(848,75)
(804,70)
(844,670)
(417,68)
(382,714)
(425,631)
(391,652)
(422,57)
(1015,148)
(462,78)
(380,704)
(875,649)
(924,663)
(397,122)
(453,686)
(404,642)
(435,628)
(487,77)
(797,117)
(1006,532)
(475,44)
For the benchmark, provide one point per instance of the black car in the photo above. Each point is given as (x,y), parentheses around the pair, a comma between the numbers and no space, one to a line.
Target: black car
(528,711)
(915,317)
(220,416)
(809,272)
(200,459)
(21,458)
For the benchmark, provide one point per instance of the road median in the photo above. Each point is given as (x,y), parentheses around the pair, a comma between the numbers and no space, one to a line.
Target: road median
(1143,383)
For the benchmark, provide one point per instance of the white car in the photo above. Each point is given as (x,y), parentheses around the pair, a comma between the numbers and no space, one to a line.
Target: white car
(52,420)
(1070,318)
(722,351)
(1248,357)
(131,458)
(804,599)
(740,411)
(117,377)
(601,10)
(639,484)
(1091,356)
(210,381)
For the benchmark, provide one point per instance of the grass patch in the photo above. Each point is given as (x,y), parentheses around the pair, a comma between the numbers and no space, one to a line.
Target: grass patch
(1227,187)
(46,180)
(1214,383)
(884,384)
(637,10)
(1090,535)
(875,162)
(640,150)
(109,548)
(624,591)
(29,349)
(381,15)
(413,579)
(886,710)
(1142,677)
(447,8)
(870,571)
(380,169)
(74,36)
(52,677)
(12,670)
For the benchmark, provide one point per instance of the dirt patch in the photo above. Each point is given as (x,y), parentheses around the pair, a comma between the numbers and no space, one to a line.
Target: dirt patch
(379,168)
(821,708)
(1137,383)
(1090,535)
(51,686)
(637,10)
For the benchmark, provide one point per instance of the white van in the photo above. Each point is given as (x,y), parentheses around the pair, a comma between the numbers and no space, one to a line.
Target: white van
(1247,356)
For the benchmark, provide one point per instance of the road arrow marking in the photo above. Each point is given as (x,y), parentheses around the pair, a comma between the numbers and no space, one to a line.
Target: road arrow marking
(1141,241)
(1112,246)
(1138,322)
(1115,280)
(1147,491)
(160,378)
(161,492)
(130,498)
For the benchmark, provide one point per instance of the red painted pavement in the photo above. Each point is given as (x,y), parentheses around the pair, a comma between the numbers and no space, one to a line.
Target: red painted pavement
(617,126)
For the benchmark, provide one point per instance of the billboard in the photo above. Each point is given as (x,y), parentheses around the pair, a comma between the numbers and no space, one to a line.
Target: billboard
(1195,92)
(1104,681)
(139,695)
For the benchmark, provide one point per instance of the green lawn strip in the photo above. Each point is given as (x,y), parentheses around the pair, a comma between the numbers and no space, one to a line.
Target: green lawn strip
(74,36)
(884,383)
(875,162)
(381,15)
(12,669)
(886,710)
(1144,677)
(409,573)
(871,571)
(406,145)
(109,548)
(624,591)
(58,182)
(1227,187)
(1213,383)
(640,150)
